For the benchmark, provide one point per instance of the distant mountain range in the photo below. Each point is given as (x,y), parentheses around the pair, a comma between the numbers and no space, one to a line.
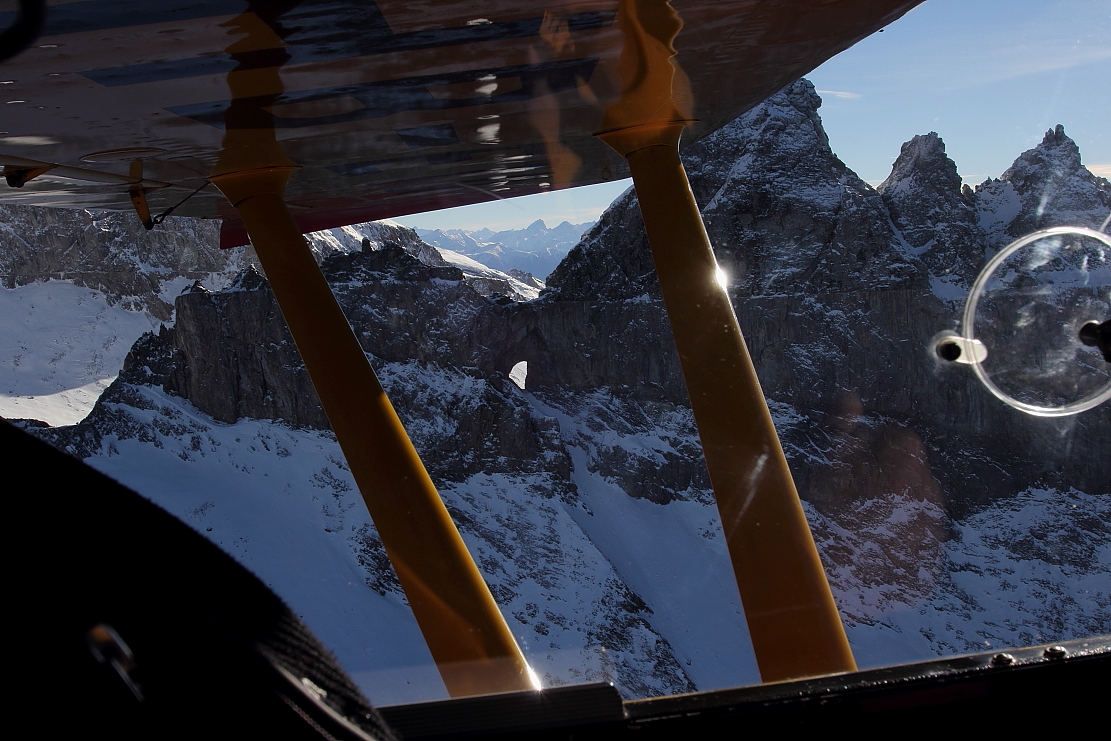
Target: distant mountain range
(535,249)
(83,286)
(947,521)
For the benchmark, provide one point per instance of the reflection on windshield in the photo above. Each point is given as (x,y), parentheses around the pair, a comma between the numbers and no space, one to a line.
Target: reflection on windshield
(1031,308)
(559,432)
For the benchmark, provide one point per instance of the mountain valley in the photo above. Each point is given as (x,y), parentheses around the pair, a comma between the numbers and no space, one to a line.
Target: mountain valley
(947,521)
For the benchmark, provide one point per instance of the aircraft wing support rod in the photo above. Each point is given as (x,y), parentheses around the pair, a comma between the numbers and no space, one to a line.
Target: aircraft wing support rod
(466,633)
(792,619)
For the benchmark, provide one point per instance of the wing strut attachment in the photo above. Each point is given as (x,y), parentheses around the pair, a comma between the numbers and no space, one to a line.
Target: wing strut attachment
(793,622)
(473,648)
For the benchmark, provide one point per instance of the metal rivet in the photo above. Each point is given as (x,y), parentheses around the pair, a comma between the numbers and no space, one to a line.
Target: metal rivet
(1002,660)
(1055,652)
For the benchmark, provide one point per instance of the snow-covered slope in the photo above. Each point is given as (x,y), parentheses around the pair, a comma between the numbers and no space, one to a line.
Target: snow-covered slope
(78,289)
(112,253)
(68,323)
(489,281)
(596,584)
(64,345)
(1030,569)
(946,520)
(282,501)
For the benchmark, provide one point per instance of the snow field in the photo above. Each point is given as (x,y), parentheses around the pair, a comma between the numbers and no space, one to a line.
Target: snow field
(63,346)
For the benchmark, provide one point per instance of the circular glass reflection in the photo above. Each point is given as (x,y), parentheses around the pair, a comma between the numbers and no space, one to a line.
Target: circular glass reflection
(1027,308)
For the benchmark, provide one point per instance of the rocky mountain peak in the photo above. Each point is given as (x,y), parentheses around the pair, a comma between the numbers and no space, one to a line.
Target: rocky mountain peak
(248,279)
(929,207)
(1048,185)
(780,135)
(591,271)
(768,178)
(922,163)
(195,287)
(1056,151)
(906,464)
(389,261)
(370,236)
(792,110)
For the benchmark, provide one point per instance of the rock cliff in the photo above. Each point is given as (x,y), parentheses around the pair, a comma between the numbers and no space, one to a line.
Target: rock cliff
(945,519)
(112,253)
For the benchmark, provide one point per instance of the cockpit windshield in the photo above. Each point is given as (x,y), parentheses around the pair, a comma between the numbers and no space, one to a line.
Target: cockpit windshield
(937,385)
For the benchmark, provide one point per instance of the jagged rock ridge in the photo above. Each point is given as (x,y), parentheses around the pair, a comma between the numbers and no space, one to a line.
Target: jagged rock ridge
(910,469)
(110,252)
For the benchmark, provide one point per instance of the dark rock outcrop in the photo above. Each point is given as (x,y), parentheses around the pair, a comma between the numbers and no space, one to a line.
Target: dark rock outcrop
(832,285)
(1046,186)
(936,217)
(231,355)
(110,252)
(839,289)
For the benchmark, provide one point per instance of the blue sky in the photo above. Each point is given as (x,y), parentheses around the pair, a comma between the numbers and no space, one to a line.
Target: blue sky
(576,205)
(989,76)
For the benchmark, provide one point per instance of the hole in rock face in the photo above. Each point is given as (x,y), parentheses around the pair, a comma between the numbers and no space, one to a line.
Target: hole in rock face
(519,373)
